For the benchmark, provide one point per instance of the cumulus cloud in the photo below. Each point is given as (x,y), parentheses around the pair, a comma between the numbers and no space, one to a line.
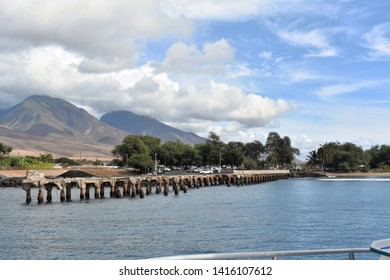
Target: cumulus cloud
(216,102)
(55,71)
(108,30)
(182,57)
(88,54)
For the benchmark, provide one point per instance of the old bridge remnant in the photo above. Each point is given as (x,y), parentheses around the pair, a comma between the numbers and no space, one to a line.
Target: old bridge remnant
(131,186)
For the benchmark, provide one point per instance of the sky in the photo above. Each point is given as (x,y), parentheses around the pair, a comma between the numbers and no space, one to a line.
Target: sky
(315,71)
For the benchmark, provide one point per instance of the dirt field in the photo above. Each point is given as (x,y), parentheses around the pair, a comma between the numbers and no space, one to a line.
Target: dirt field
(98,172)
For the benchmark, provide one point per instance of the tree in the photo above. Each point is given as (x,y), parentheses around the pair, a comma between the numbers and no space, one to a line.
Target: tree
(339,157)
(215,147)
(326,153)
(141,162)
(280,151)
(47,157)
(253,150)
(4,149)
(313,159)
(234,153)
(211,152)
(378,156)
(131,144)
(66,161)
(152,143)
(176,153)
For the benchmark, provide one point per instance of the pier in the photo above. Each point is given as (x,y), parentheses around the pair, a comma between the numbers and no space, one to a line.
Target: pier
(132,186)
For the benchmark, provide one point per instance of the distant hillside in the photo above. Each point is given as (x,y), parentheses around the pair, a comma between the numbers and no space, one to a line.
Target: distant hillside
(3,112)
(145,125)
(59,146)
(44,116)
(42,124)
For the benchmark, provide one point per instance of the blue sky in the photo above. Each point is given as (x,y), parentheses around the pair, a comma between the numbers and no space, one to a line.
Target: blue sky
(316,71)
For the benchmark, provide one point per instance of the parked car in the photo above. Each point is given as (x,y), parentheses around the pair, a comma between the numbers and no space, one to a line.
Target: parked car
(206,171)
(193,169)
(216,169)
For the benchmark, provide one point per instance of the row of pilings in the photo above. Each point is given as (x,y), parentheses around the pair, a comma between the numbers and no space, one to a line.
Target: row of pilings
(135,186)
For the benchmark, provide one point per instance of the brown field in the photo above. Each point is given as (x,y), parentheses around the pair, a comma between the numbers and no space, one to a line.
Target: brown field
(98,172)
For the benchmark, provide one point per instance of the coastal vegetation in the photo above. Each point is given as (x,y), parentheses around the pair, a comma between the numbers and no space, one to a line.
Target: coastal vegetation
(348,157)
(44,161)
(143,152)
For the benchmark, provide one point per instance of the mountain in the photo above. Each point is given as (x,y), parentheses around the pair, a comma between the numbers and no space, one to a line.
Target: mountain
(145,125)
(42,124)
(3,112)
(44,116)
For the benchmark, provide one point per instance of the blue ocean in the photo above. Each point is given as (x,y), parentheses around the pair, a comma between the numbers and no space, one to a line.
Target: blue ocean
(292,214)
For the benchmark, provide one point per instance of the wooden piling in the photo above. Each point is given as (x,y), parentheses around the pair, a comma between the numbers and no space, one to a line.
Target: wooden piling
(28,196)
(40,196)
(82,194)
(112,191)
(49,196)
(102,191)
(68,193)
(87,192)
(62,195)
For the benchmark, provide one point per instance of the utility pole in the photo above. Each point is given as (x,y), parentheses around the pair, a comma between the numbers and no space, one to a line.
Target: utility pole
(220,159)
(155,163)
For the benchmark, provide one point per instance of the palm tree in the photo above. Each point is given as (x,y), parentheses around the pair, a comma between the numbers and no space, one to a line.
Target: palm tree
(326,153)
(313,158)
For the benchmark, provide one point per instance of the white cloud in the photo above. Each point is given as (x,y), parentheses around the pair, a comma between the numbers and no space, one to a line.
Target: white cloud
(315,38)
(216,102)
(344,88)
(217,9)
(378,40)
(181,57)
(55,71)
(111,31)
(232,9)
(265,55)
(300,76)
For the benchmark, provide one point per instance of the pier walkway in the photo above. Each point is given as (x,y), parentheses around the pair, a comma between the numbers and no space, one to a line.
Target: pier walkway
(131,186)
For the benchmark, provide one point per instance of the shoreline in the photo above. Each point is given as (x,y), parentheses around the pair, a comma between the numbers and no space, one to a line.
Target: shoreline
(8,174)
(358,174)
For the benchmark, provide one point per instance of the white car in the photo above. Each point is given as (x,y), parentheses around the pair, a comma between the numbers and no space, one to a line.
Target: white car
(206,171)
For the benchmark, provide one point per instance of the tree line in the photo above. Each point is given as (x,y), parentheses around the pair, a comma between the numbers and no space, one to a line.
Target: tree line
(348,157)
(142,152)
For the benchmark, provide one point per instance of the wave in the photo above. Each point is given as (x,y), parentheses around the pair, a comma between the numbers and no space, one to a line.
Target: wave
(356,179)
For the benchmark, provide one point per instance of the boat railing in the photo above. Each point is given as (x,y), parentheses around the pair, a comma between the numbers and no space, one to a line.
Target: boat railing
(274,255)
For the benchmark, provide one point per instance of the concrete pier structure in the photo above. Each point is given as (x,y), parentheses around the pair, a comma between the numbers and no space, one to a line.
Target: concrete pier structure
(133,186)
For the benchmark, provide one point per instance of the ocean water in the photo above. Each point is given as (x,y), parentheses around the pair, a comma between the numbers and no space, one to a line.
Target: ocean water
(293,214)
